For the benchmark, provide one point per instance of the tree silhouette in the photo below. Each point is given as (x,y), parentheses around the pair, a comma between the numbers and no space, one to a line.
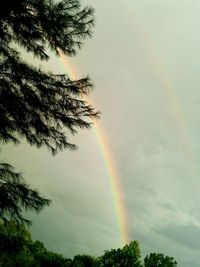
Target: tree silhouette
(127,256)
(40,106)
(18,249)
(159,260)
(16,196)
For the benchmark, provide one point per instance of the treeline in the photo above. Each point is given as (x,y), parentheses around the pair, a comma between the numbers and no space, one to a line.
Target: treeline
(17,249)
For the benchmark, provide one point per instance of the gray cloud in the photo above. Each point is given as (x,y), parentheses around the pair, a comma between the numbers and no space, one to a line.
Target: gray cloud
(185,235)
(144,62)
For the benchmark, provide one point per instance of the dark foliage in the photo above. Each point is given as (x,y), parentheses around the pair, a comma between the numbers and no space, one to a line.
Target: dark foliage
(41,106)
(16,196)
(127,256)
(159,260)
(18,249)
(15,244)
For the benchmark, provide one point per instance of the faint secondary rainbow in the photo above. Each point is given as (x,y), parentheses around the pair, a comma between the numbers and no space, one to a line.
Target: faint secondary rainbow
(106,153)
(175,109)
(167,85)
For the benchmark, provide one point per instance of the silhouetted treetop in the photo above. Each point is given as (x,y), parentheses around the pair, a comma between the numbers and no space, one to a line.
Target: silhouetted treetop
(41,106)
(38,24)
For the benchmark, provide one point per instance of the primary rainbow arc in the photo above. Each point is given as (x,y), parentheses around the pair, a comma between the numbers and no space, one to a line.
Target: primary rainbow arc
(114,180)
(100,134)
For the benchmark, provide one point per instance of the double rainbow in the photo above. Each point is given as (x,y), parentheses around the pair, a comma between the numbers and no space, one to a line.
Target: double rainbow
(103,143)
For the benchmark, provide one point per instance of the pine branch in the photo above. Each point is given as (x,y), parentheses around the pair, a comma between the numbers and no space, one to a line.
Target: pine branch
(16,196)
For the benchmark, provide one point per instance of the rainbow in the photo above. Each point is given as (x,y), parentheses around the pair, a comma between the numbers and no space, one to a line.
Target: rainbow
(175,109)
(114,179)
(167,85)
(112,172)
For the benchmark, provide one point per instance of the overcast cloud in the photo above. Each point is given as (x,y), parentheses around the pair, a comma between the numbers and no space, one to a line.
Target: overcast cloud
(144,61)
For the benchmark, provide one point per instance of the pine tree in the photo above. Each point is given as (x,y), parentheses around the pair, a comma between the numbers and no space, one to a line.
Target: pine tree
(34,104)
(16,196)
(42,107)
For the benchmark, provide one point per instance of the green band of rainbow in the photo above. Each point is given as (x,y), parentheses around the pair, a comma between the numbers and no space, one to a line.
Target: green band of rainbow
(106,153)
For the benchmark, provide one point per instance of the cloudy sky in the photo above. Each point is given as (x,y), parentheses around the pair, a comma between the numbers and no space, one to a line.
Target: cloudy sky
(144,61)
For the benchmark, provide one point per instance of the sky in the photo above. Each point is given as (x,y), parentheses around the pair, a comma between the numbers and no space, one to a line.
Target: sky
(143,59)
